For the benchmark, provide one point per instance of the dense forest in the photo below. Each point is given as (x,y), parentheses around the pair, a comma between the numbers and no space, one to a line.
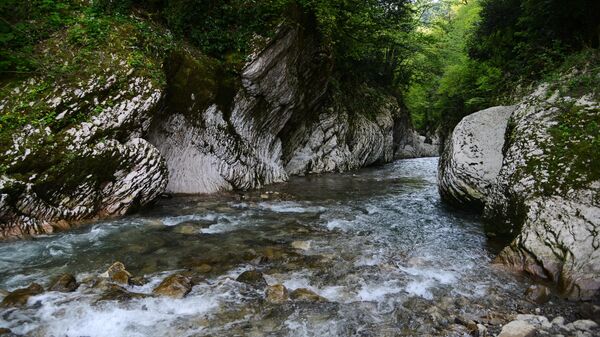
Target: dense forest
(442,59)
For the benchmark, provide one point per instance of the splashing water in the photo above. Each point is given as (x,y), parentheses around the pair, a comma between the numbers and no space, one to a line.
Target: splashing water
(377,244)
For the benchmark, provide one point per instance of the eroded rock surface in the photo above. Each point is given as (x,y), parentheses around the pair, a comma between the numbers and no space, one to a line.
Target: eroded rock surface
(473,157)
(99,167)
(548,197)
(541,188)
(121,136)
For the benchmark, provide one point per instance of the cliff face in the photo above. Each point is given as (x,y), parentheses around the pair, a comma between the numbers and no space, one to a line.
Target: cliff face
(235,144)
(86,157)
(545,192)
(116,138)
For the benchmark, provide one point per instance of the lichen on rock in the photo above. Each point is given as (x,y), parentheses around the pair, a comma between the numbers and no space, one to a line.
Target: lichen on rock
(544,187)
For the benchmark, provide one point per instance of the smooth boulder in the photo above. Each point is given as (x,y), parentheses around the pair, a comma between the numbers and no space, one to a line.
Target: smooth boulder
(473,157)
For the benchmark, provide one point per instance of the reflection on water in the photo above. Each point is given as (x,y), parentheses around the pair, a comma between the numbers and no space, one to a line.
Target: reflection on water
(377,244)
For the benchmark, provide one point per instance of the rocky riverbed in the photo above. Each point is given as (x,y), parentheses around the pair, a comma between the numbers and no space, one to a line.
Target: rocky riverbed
(369,253)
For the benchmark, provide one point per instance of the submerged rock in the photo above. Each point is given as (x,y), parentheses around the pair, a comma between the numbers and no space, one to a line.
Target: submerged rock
(176,286)
(64,283)
(120,294)
(19,297)
(252,277)
(306,295)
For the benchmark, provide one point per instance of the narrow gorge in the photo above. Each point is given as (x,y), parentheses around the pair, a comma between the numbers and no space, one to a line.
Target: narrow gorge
(299,168)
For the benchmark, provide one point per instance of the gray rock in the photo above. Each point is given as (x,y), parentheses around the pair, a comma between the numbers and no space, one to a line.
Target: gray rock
(536,320)
(531,190)
(473,157)
(134,137)
(554,214)
(518,329)
(585,325)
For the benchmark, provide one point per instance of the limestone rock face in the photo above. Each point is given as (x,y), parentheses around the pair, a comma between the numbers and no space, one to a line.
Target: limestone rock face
(473,157)
(123,135)
(234,144)
(546,197)
(537,184)
(415,145)
(339,141)
(97,167)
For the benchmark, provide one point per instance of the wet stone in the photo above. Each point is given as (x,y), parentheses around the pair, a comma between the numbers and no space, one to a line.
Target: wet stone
(64,283)
(175,286)
(138,281)
(6,332)
(117,273)
(19,297)
(252,277)
(192,227)
(121,277)
(306,295)
(277,294)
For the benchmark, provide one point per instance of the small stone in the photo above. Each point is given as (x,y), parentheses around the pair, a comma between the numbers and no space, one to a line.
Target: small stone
(186,229)
(19,297)
(277,293)
(117,273)
(175,286)
(303,294)
(585,325)
(252,277)
(536,320)
(518,329)
(302,245)
(64,283)
(5,331)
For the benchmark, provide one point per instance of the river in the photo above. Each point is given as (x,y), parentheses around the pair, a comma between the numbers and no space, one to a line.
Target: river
(389,258)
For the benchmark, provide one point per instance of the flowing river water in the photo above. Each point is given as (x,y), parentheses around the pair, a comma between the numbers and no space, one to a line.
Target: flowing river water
(377,244)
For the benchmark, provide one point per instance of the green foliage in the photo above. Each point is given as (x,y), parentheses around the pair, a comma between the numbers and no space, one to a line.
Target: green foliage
(447,85)
(527,38)
(22,25)
(83,49)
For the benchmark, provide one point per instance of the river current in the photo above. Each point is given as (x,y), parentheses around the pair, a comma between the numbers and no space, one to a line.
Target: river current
(389,258)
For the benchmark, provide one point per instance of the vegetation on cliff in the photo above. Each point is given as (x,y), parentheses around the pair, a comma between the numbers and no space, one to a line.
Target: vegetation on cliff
(479,53)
